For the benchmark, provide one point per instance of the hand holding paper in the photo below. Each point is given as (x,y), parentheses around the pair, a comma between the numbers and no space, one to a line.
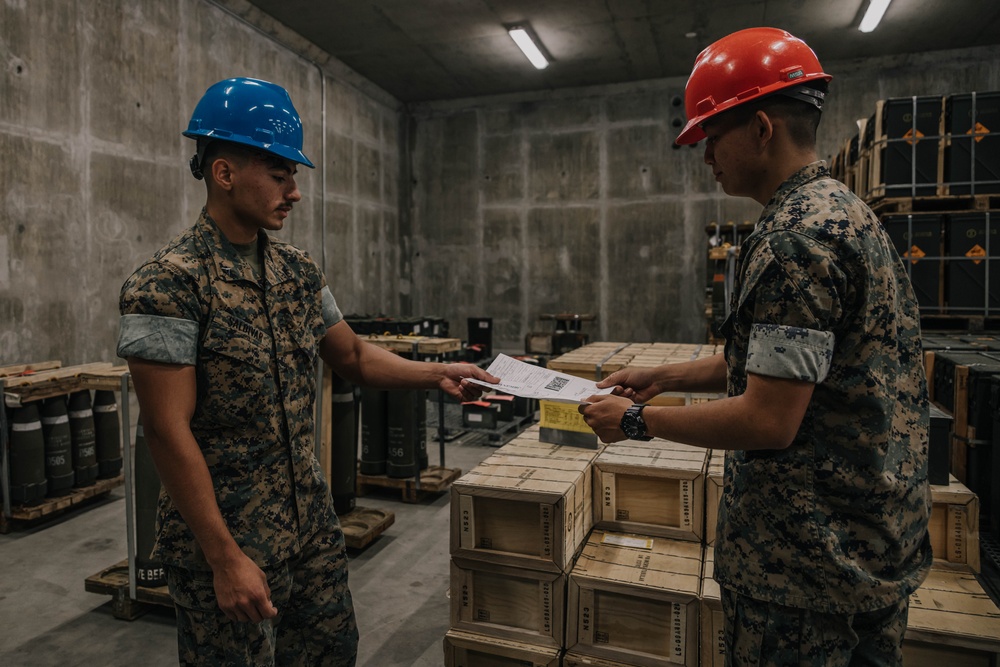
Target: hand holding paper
(527,381)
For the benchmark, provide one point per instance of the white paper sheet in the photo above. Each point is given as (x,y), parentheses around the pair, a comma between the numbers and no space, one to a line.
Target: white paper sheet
(528,381)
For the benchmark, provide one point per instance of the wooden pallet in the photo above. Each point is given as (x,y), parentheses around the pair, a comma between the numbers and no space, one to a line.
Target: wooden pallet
(113,581)
(942,322)
(936,204)
(46,384)
(363,524)
(433,480)
(24,516)
(21,369)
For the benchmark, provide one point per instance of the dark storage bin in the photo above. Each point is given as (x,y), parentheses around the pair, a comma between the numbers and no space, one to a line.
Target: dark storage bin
(992,507)
(915,237)
(908,146)
(481,335)
(981,366)
(506,405)
(480,414)
(972,161)
(972,245)
(939,450)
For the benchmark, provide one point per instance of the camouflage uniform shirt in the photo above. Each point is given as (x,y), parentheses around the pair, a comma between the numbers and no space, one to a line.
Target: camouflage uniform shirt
(836,522)
(254,344)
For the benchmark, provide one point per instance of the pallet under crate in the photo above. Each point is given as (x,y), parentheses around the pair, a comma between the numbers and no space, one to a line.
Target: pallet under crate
(24,516)
(113,581)
(433,480)
(467,649)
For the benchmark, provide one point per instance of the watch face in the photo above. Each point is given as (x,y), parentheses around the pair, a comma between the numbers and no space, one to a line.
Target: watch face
(630,423)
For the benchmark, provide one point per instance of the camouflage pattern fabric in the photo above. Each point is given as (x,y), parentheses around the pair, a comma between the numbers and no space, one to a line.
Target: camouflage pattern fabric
(255,348)
(315,623)
(766,634)
(836,522)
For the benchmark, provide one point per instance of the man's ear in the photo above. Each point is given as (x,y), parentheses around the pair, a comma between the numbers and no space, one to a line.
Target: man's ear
(763,127)
(222,172)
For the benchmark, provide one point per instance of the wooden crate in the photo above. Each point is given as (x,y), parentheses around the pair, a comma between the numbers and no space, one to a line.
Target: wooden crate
(525,511)
(467,649)
(527,443)
(953,622)
(592,362)
(713,492)
(713,624)
(634,598)
(416,345)
(954,525)
(508,602)
(653,488)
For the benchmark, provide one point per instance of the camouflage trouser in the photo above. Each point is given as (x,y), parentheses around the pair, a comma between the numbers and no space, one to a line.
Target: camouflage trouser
(763,633)
(315,622)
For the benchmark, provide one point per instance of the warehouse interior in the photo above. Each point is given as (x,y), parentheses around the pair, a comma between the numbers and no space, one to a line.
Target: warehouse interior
(453,181)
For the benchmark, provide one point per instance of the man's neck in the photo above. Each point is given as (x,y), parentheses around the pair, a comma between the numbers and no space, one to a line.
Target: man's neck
(780,170)
(229,224)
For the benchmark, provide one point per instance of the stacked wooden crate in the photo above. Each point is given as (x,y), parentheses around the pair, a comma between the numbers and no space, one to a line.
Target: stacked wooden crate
(634,592)
(518,521)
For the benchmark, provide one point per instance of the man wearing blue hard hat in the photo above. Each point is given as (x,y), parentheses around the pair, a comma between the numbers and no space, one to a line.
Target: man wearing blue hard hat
(222,329)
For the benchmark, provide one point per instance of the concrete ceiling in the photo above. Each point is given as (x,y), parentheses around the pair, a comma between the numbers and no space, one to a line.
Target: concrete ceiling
(423,50)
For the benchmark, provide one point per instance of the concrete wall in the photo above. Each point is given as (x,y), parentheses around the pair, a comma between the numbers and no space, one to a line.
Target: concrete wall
(512,207)
(576,201)
(93,97)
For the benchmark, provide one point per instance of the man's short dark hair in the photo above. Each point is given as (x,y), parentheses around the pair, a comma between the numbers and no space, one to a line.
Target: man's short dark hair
(801,118)
(212,150)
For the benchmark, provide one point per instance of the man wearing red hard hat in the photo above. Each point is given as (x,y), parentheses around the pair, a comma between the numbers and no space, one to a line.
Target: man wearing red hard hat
(822,530)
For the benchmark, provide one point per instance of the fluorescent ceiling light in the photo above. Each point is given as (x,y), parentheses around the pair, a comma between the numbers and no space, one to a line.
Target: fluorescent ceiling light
(523,39)
(876,9)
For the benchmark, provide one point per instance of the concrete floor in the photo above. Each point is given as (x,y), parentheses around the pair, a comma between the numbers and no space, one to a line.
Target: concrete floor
(400,585)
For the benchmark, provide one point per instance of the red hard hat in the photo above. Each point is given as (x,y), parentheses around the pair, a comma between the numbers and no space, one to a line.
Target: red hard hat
(744,66)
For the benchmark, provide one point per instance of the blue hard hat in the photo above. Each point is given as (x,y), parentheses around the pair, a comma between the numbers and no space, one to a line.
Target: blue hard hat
(250,112)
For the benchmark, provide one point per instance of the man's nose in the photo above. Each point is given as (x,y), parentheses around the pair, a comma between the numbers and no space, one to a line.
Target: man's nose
(294,195)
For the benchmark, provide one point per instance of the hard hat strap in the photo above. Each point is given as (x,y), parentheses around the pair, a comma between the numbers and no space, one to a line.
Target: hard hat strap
(197,159)
(805,94)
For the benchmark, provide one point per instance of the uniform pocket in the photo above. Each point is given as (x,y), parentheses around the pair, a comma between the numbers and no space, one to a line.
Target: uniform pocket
(236,379)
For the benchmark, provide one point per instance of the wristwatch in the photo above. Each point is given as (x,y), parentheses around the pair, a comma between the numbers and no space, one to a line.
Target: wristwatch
(633,425)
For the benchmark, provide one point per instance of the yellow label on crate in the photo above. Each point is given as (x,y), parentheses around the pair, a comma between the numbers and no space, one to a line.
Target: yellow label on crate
(562,416)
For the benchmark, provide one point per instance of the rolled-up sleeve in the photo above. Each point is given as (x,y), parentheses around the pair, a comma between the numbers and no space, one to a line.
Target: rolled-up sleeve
(170,340)
(790,352)
(159,316)
(331,311)
(797,301)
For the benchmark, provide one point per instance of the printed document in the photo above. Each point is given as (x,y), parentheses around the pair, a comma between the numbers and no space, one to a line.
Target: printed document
(528,381)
